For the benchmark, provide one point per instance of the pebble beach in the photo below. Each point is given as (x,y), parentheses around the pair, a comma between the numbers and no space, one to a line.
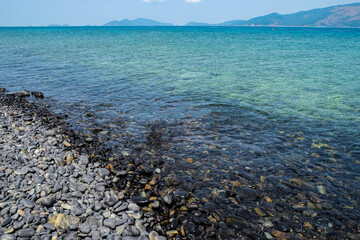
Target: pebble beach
(57,183)
(52,190)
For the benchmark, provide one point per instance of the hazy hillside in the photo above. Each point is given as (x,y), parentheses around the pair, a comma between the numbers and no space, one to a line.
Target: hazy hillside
(337,16)
(137,22)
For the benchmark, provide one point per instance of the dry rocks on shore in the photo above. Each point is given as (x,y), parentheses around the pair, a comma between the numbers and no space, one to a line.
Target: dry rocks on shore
(51,191)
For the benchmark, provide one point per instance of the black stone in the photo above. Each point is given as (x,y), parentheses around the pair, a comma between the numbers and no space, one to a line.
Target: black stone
(48,201)
(37,94)
(5,222)
(140,200)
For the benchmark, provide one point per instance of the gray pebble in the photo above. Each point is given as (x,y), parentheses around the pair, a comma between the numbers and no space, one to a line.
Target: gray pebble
(103,172)
(27,203)
(26,232)
(95,235)
(83,161)
(122,207)
(6,222)
(49,226)
(85,228)
(109,223)
(7,237)
(104,231)
(110,200)
(134,207)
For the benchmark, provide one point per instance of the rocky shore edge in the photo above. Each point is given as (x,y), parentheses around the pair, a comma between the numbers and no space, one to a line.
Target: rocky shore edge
(51,187)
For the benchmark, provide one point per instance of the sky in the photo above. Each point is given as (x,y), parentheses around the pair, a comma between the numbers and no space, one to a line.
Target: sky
(179,12)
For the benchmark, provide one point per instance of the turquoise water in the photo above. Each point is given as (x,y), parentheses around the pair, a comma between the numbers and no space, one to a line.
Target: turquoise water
(260,99)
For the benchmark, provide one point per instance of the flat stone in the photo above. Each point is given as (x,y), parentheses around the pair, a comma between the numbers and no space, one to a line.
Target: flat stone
(21,171)
(49,133)
(5,222)
(7,237)
(38,179)
(141,200)
(122,207)
(109,223)
(27,203)
(26,232)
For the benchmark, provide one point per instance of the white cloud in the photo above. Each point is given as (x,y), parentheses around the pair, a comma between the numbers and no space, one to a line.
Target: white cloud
(193,1)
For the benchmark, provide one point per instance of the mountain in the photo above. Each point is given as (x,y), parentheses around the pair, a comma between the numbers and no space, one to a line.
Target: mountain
(198,24)
(336,16)
(137,22)
(234,23)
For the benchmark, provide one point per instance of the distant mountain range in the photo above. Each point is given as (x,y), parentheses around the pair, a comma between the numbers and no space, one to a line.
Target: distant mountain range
(137,22)
(337,16)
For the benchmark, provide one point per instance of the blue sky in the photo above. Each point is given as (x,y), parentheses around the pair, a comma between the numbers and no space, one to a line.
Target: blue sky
(98,12)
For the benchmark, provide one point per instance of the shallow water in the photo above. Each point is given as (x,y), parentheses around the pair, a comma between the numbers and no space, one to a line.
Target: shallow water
(256,106)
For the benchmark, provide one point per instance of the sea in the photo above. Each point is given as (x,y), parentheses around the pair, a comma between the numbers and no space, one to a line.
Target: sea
(230,110)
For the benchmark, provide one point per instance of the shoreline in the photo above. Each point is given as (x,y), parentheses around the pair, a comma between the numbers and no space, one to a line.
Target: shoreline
(157,199)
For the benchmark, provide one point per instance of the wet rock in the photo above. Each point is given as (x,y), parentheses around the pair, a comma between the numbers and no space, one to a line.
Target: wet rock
(237,223)
(37,94)
(282,227)
(23,94)
(141,200)
(321,189)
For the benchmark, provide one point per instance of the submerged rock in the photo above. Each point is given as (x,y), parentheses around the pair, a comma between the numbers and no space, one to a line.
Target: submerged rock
(37,94)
